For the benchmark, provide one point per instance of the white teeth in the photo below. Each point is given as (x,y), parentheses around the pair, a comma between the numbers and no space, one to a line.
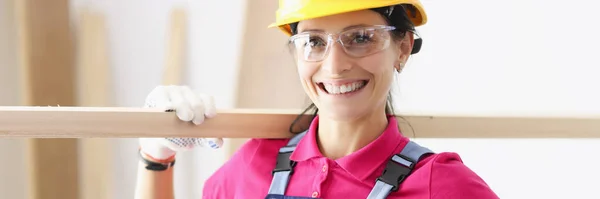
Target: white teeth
(341,89)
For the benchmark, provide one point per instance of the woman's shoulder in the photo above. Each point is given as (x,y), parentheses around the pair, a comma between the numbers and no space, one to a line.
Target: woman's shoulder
(258,150)
(249,168)
(449,177)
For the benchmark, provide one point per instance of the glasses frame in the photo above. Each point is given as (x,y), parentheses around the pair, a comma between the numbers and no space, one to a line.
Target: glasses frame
(336,38)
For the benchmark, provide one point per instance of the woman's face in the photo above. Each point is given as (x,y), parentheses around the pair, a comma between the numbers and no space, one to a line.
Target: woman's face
(345,85)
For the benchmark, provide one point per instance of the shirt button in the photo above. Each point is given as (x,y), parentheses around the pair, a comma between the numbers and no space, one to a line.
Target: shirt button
(315,194)
(324,169)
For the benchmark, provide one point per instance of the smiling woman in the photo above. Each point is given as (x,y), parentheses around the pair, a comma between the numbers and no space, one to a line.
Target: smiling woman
(350,82)
(347,54)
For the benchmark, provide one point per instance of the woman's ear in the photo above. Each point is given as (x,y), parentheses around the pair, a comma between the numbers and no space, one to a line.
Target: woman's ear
(405,46)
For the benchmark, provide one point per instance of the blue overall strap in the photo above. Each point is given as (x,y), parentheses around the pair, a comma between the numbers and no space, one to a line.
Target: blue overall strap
(284,167)
(397,170)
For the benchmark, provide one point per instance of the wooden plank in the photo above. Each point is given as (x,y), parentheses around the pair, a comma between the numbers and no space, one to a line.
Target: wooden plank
(47,78)
(85,122)
(95,163)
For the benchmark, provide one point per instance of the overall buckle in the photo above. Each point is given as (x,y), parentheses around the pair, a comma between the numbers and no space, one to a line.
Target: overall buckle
(395,173)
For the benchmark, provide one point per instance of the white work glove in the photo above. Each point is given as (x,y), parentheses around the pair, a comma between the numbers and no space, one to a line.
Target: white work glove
(188,106)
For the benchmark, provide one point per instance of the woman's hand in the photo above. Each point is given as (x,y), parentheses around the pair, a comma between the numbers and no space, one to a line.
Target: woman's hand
(188,106)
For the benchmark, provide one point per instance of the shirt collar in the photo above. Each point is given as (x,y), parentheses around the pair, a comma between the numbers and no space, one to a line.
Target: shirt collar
(362,163)
(307,147)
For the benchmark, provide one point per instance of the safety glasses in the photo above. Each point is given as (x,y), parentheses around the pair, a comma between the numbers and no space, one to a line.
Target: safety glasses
(313,46)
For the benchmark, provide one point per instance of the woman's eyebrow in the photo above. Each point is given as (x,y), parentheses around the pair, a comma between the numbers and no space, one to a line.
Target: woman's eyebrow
(346,28)
(312,30)
(355,26)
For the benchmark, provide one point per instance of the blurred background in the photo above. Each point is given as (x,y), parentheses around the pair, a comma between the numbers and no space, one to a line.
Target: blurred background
(478,57)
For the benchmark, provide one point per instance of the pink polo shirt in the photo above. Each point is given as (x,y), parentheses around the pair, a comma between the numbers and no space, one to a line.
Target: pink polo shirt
(247,175)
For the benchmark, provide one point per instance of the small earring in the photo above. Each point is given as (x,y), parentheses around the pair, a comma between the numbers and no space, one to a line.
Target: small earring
(400,67)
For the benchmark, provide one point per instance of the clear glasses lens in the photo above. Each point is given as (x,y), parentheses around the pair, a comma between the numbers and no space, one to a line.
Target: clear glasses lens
(310,46)
(357,42)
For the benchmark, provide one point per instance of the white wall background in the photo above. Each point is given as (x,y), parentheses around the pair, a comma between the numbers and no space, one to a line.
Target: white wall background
(512,57)
(480,57)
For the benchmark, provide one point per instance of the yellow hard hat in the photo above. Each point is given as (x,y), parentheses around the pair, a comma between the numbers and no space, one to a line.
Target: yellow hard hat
(291,11)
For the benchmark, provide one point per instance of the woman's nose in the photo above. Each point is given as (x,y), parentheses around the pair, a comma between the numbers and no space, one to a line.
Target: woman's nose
(337,61)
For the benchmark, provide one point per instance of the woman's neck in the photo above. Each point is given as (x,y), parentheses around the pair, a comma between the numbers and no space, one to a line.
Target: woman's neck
(337,139)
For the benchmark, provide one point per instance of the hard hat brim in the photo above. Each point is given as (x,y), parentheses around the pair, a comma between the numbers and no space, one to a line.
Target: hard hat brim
(328,9)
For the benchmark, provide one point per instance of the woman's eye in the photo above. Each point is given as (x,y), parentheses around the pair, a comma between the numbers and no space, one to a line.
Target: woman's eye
(315,42)
(362,38)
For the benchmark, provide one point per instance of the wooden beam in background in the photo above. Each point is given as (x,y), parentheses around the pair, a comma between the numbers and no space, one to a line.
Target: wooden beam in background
(94,80)
(85,122)
(96,168)
(45,52)
(47,78)
(175,56)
